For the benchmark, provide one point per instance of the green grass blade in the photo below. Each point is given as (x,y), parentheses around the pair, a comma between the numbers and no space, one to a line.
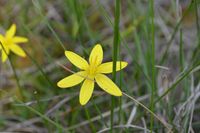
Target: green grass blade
(153,84)
(196,53)
(169,43)
(123,42)
(39,9)
(42,116)
(40,69)
(116,43)
(89,119)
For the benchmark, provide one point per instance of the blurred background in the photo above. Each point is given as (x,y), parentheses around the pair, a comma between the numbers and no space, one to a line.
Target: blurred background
(53,26)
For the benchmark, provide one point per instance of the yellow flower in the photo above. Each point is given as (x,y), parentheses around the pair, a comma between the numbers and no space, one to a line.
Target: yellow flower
(9,42)
(91,72)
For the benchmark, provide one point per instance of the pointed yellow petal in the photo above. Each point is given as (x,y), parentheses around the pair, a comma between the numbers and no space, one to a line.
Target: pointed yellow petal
(107,85)
(17,50)
(108,67)
(18,39)
(72,80)
(4,56)
(3,50)
(76,60)
(11,32)
(86,91)
(96,56)
(4,47)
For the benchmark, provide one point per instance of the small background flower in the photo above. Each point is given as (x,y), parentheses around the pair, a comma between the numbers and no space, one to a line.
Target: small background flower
(10,43)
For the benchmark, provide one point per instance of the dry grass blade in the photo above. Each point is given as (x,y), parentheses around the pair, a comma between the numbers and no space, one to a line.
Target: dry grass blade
(125,126)
(105,114)
(157,117)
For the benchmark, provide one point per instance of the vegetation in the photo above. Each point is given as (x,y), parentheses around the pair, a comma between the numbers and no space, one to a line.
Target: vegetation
(157,90)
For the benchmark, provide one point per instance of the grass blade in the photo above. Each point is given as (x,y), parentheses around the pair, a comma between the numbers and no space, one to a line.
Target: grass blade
(116,43)
(153,84)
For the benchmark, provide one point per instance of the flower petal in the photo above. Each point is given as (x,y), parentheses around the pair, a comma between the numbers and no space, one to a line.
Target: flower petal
(108,67)
(86,91)
(17,50)
(4,56)
(107,85)
(96,56)
(1,39)
(4,48)
(11,32)
(72,80)
(77,60)
(18,39)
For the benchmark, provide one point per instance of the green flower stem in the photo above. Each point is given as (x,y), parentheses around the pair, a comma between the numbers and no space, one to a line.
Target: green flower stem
(116,42)
(15,73)
(153,85)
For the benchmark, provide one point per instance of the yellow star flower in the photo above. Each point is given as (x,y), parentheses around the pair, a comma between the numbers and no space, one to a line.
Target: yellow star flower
(91,72)
(9,42)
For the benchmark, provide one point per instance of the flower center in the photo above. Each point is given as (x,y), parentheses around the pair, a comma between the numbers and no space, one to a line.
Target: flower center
(93,66)
(8,41)
(92,70)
